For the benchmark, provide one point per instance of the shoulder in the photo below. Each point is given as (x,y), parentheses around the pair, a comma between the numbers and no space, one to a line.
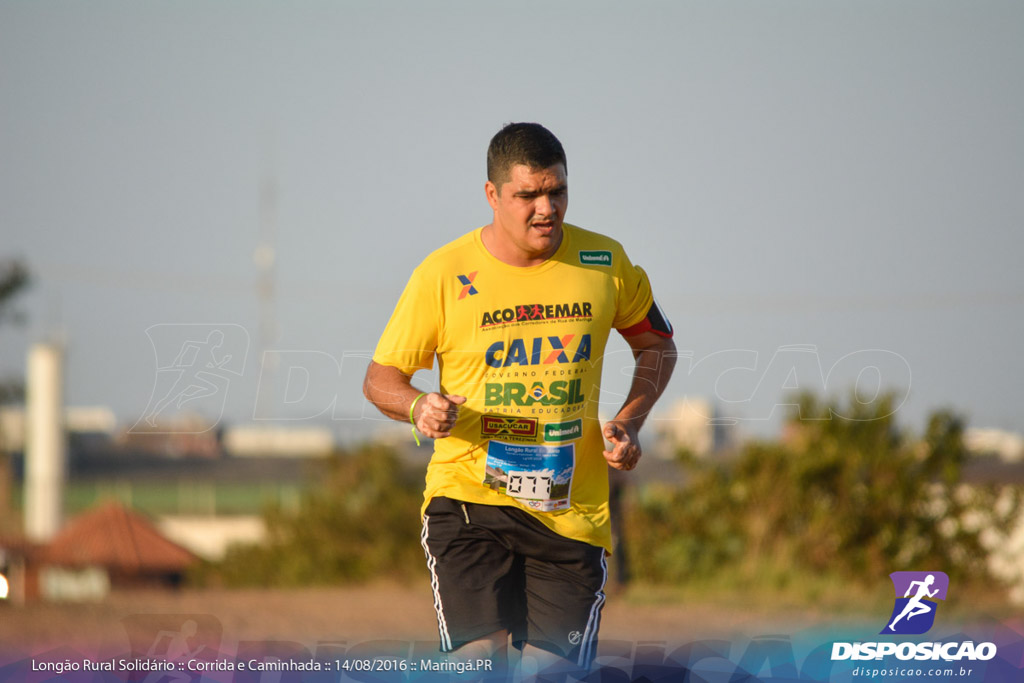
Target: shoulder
(591,248)
(589,239)
(442,259)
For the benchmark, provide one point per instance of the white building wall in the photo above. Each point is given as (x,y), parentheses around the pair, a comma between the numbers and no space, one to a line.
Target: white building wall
(45,443)
(210,537)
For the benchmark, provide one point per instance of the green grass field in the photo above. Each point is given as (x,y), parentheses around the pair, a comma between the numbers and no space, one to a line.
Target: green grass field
(178,497)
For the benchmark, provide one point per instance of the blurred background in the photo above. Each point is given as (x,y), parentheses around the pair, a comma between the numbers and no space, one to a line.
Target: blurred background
(207,213)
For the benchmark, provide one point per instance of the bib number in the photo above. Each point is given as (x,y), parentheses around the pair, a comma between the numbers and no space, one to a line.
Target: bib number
(529,485)
(540,477)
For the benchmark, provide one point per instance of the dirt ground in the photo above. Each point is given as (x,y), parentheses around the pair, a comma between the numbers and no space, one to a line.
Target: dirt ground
(340,615)
(329,623)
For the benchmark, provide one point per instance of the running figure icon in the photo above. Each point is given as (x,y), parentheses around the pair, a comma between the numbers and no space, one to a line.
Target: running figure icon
(196,364)
(915,606)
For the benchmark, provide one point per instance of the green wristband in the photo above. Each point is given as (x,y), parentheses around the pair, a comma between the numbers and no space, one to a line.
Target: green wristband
(412,419)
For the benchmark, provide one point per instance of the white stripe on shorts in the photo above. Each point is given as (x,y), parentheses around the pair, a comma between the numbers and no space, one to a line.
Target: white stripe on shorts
(442,625)
(594,622)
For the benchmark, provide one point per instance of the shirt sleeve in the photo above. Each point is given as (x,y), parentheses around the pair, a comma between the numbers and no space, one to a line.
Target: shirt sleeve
(634,295)
(410,338)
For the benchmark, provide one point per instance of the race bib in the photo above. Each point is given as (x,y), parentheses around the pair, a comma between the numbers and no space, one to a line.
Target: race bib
(540,477)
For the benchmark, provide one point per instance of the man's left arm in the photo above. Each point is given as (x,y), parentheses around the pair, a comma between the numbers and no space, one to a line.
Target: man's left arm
(655,357)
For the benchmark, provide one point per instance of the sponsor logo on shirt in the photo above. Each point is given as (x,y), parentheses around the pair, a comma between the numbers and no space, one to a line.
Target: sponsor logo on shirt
(596,258)
(467,285)
(538,351)
(508,428)
(576,310)
(563,431)
(557,393)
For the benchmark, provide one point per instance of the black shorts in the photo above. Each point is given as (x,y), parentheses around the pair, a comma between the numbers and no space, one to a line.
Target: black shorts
(494,568)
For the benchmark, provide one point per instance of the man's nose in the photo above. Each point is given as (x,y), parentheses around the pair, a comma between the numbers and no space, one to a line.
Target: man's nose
(543,206)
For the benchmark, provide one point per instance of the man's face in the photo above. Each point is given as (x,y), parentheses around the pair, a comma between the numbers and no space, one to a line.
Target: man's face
(528,213)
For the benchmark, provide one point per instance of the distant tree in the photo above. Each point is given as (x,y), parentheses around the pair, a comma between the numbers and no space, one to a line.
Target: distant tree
(855,497)
(361,522)
(14,278)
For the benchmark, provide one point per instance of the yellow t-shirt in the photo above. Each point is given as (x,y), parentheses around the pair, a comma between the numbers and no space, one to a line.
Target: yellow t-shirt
(525,347)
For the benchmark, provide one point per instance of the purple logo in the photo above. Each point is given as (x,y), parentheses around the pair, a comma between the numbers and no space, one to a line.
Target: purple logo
(914,612)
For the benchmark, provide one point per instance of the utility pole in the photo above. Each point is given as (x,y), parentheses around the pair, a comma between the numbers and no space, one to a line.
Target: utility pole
(266,284)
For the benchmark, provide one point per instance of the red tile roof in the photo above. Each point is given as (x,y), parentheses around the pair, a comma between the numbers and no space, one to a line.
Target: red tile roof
(116,537)
(19,545)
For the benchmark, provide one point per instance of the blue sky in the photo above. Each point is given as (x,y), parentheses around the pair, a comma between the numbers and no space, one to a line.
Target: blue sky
(842,176)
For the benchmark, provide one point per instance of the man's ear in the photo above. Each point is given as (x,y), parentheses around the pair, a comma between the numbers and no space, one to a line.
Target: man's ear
(491,190)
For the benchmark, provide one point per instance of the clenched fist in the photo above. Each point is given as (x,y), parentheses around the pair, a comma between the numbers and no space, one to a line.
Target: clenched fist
(625,451)
(435,414)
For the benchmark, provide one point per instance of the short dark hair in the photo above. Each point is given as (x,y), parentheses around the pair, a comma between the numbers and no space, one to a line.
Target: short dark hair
(530,144)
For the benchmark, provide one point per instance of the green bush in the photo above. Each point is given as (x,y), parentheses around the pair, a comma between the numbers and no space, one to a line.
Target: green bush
(850,497)
(361,522)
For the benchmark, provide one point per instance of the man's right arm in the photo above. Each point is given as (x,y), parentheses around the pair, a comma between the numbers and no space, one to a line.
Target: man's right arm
(391,391)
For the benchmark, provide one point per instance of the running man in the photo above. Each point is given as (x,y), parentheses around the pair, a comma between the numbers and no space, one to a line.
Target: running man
(915,606)
(516,521)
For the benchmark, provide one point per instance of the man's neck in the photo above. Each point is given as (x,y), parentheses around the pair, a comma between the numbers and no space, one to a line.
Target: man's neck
(511,255)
